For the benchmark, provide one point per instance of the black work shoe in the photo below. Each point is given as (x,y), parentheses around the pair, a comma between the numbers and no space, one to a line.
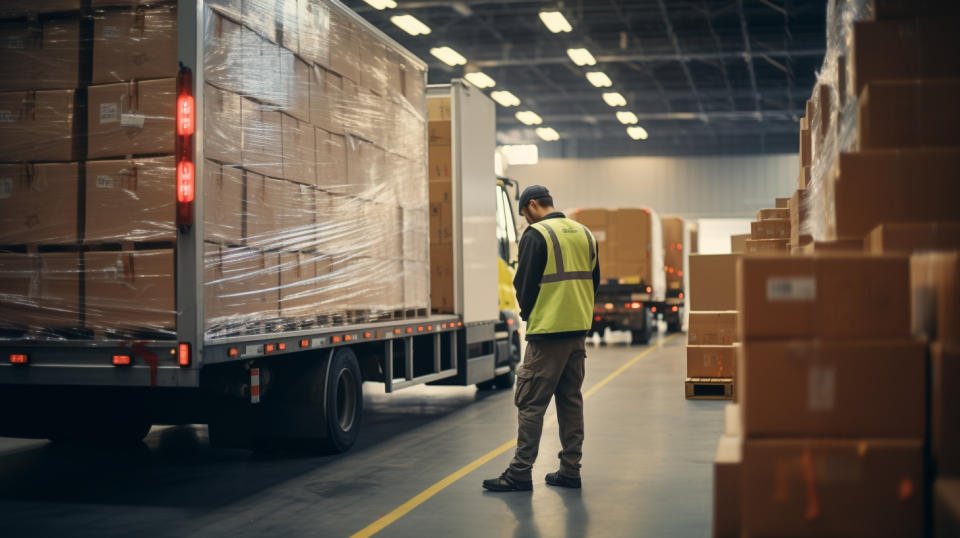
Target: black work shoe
(557,479)
(503,483)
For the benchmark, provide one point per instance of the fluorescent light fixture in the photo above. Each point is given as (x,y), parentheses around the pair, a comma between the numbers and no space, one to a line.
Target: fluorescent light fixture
(614,99)
(548,134)
(480,80)
(448,56)
(529,117)
(637,133)
(627,118)
(505,98)
(410,24)
(581,57)
(382,4)
(599,79)
(555,21)
(521,154)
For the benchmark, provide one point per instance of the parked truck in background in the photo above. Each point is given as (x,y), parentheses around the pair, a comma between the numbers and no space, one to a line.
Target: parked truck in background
(675,270)
(257,232)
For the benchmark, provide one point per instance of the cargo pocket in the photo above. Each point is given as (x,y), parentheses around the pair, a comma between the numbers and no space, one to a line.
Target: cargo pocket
(524,378)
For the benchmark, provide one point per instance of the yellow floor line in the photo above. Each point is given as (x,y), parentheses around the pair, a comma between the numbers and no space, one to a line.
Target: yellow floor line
(421,497)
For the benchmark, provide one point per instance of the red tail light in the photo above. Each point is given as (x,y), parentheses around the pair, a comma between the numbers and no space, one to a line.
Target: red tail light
(653,309)
(186,185)
(681,295)
(649,289)
(183,354)
(186,117)
(597,318)
(673,308)
(121,360)
(186,126)
(18,358)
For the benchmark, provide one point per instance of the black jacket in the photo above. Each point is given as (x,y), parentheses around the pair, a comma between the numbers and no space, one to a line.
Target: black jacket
(533,260)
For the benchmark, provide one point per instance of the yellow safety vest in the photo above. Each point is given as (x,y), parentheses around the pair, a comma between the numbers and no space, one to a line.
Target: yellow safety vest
(565,302)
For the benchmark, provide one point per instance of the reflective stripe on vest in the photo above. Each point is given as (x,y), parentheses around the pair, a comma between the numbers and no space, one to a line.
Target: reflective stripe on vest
(565,301)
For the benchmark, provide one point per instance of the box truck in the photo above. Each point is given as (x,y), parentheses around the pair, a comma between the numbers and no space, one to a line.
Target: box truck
(675,241)
(219,212)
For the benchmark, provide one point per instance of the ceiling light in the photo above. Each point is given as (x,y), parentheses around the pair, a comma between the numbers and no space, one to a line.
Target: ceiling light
(448,56)
(505,98)
(555,21)
(614,99)
(480,79)
(581,57)
(637,133)
(529,117)
(382,4)
(410,24)
(548,134)
(627,118)
(599,79)
(521,154)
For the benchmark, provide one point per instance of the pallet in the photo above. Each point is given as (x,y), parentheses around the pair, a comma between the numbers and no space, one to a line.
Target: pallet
(709,388)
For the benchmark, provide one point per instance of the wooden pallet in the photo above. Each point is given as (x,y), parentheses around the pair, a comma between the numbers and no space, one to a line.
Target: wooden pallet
(709,388)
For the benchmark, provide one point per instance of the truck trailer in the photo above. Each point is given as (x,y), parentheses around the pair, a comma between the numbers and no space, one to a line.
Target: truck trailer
(219,212)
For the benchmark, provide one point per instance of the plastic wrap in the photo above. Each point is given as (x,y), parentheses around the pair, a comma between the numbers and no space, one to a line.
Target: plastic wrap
(313,172)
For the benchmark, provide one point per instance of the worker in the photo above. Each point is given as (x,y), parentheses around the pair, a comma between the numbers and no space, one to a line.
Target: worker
(557,278)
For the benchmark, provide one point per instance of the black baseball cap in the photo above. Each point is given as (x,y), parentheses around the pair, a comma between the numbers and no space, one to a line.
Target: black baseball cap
(530,193)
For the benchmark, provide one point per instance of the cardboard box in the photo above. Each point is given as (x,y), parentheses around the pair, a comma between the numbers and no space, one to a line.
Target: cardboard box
(296,217)
(131,200)
(726,487)
(344,46)
(909,113)
(906,238)
(781,203)
(884,186)
(223,53)
(261,17)
(807,487)
(135,44)
(768,245)
(298,291)
(847,246)
(895,9)
(223,125)
(327,107)
(416,285)
(314,22)
(223,203)
(439,109)
(297,87)
(241,285)
(441,213)
(131,118)
(819,386)
(262,219)
(711,361)
(262,67)
(299,151)
(806,151)
(713,281)
(416,233)
(803,179)
(12,10)
(39,126)
(441,277)
(38,203)
(331,160)
(262,138)
(798,218)
(44,55)
(946,509)
(599,221)
(712,328)
(288,16)
(833,296)
(773,213)
(901,49)
(945,407)
(935,296)
(770,229)
(131,291)
(41,291)
(439,133)
(738,243)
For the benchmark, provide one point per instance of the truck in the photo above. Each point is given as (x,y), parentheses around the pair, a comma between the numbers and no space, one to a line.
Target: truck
(675,241)
(223,216)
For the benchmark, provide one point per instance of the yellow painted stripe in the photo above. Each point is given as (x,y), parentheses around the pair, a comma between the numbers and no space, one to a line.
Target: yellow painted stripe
(424,495)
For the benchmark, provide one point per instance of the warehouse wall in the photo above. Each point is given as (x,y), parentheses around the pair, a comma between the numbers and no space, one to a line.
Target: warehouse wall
(689,186)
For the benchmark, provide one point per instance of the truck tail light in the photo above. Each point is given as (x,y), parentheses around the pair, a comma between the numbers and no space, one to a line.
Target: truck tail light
(18,358)
(674,308)
(186,126)
(186,117)
(183,354)
(597,318)
(121,360)
(653,309)
(649,289)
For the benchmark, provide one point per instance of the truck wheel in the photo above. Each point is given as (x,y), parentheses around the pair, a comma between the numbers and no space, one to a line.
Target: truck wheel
(640,336)
(344,401)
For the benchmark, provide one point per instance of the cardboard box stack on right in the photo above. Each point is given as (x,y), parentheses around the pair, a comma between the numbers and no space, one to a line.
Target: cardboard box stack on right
(711,333)
(836,341)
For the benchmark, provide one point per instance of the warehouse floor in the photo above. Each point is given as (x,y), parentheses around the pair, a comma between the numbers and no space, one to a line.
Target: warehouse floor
(417,468)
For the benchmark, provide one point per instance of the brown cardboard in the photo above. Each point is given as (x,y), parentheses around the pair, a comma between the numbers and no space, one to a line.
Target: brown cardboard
(416,233)
(41,291)
(909,113)
(262,138)
(798,218)
(820,121)
(773,213)
(738,243)
(38,203)
(781,203)
(848,246)
(441,213)
(820,386)
(262,69)
(833,296)
(805,147)
(711,361)
(896,9)
(770,229)
(902,49)
(857,487)
(935,296)
(441,277)
(223,203)
(130,200)
(439,132)
(331,160)
(44,55)
(870,187)
(132,118)
(223,53)
(296,214)
(672,246)
(803,179)
(946,507)
(240,285)
(712,328)
(299,150)
(713,281)
(439,109)
(599,221)
(130,290)
(11,10)
(768,245)
(135,43)
(906,238)
(298,291)
(297,88)
(222,125)
(416,284)
(39,126)
(945,408)
(726,487)
(263,226)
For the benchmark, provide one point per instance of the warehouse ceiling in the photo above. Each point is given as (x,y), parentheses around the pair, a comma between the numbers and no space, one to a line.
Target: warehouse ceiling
(703,77)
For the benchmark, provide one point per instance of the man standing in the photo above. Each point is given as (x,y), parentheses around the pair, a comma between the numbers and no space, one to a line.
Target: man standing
(557,277)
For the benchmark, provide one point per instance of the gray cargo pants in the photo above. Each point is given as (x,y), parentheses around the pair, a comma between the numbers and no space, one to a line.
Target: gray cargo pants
(550,368)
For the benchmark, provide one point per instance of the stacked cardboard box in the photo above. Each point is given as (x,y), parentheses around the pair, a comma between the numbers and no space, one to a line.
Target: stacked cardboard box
(771,231)
(628,253)
(711,332)
(440,133)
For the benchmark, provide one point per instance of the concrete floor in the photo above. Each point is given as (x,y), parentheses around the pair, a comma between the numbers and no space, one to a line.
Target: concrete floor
(646,470)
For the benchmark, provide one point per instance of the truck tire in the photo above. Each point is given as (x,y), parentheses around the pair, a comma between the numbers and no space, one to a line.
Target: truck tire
(507,380)
(640,336)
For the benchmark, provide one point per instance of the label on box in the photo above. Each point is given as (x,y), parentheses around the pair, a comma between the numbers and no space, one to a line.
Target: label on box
(6,116)
(105,182)
(109,113)
(801,288)
(132,120)
(6,187)
(600,235)
(821,388)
